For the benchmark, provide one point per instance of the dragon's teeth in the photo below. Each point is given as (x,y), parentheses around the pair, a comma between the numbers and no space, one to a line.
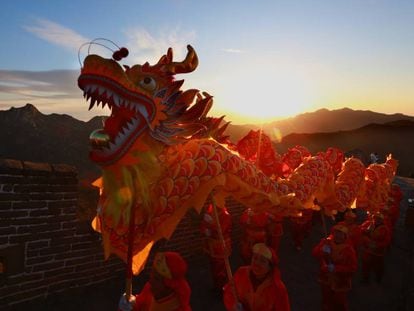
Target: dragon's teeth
(131,124)
(126,128)
(135,122)
(111,146)
(117,140)
(120,139)
(116,100)
(91,105)
(143,111)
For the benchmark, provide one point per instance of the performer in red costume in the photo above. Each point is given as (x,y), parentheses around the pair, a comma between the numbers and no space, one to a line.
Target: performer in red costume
(354,230)
(396,193)
(375,241)
(213,244)
(275,232)
(254,230)
(338,262)
(301,227)
(167,288)
(258,286)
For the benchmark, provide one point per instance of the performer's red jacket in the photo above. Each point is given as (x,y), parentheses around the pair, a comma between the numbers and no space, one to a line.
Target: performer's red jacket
(344,259)
(175,302)
(208,227)
(354,233)
(254,226)
(270,295)
(376,238)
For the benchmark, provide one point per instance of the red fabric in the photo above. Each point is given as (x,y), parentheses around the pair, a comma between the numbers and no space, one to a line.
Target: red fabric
(176,264)
(270,295)
(254,230)
(333,300)
(257,147)
(178,269)
(214,246)
(376,238)
(354,233)
(343,257)
(301,227)
(218,271)
(396,193)
(145,300)
(275,229)
(211,226)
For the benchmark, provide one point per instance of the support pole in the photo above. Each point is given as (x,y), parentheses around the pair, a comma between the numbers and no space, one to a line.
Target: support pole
(129,274)
(226,258)
(325,230)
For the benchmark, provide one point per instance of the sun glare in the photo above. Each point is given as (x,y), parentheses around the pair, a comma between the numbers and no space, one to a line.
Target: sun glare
(266,98)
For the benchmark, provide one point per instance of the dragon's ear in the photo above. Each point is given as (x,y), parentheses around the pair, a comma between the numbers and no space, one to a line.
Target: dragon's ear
(189,64)
(146,67)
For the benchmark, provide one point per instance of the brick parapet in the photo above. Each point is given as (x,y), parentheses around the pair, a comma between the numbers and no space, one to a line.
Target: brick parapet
(51,249)
(42,250)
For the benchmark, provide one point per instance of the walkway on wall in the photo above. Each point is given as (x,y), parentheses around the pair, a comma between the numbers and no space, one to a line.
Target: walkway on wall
(299,271)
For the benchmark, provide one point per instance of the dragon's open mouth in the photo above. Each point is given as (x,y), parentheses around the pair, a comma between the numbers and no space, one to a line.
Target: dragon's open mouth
(131,113)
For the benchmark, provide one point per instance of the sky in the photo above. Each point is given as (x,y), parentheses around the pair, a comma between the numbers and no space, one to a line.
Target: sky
(261,60)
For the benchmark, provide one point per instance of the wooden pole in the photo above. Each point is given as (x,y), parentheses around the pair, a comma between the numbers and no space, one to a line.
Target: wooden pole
(226,258)
(129,274)
(325,230)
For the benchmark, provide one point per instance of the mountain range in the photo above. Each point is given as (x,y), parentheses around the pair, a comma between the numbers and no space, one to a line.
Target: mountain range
(320,121)
(28,134)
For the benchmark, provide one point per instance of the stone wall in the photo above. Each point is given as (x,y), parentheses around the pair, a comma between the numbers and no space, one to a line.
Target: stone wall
(45,249)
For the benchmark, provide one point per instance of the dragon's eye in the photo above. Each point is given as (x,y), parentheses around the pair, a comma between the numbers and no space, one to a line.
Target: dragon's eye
(148,83)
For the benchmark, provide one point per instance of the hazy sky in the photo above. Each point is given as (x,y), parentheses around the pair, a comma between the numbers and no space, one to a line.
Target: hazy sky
(261,60)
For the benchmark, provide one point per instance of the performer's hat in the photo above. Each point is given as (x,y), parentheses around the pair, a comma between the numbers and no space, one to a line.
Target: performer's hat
(170,265)
(265,251)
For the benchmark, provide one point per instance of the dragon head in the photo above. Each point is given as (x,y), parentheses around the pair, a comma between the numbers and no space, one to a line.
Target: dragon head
(142,99)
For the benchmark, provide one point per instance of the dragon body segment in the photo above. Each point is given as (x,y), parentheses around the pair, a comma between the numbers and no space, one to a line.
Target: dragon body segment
(161,155)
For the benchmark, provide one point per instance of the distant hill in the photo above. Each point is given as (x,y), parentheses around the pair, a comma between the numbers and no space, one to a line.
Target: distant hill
(27,134)
(320,121)
(395,137)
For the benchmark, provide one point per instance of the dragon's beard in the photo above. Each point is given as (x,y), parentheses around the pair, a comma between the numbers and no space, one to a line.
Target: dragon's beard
(128,187)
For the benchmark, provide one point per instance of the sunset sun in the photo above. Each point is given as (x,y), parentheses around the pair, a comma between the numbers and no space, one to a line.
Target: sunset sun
(265,97)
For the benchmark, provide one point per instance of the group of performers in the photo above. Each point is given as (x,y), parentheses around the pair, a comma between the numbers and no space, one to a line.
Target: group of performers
(257,285)
(338,253)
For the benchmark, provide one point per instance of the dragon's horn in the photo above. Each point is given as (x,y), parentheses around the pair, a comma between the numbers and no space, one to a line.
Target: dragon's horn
(189,64)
